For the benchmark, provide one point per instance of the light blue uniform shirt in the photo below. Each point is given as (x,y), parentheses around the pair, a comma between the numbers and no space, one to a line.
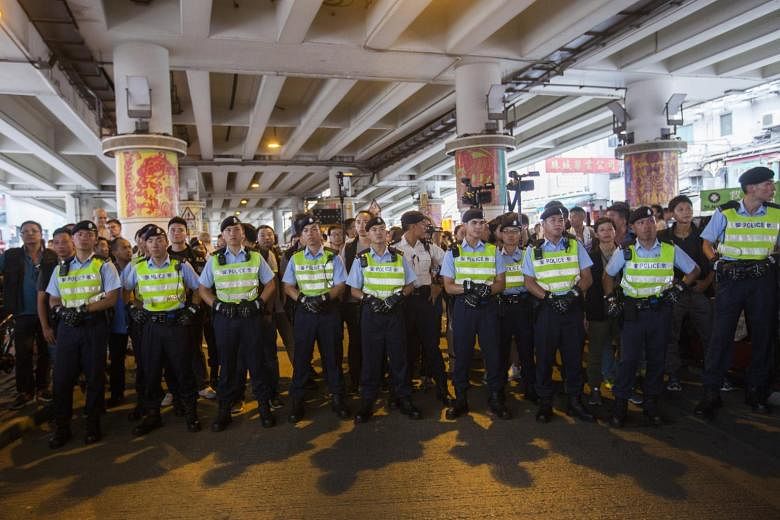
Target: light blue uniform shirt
(109,278)
(682,261)
(264,273)
(339,273)
(716,227)
(448,264)
(355,278)
(188,275)
(528,262)
(511,259)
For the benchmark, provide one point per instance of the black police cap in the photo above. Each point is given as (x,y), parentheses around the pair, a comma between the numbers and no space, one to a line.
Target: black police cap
(60,230)
(412,217)
(84,225)
(376,221)
(756,175)
(640,213)
(557,204)
(302,220)
(153,231)
(472,214)
(230,221)
(511,220)
(555,210)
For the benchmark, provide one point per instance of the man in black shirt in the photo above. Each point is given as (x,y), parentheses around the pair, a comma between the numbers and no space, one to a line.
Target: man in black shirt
(693,303)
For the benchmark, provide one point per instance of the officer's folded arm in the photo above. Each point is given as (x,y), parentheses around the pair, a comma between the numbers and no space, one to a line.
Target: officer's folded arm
(336,291)
(105,303)
(356,293)
(708,248)
(534,288)
(451,287)
(586,279)
(206,294)
(498,285)
(268,291)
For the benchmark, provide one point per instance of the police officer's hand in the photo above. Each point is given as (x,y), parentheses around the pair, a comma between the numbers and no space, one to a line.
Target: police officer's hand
(392,301)
(482,290)
(672,294)
(471,300)
(48,334)
(192,309)
(613,305)
(226,309)
(435,292)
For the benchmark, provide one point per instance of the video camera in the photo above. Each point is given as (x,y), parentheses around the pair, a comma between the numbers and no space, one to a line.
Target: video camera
(475,196)
(517,183)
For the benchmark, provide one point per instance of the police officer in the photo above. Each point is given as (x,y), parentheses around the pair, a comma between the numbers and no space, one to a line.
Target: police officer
(650,291)
(315,279)
(473,273)
(381,278)
(161,285)
(423,321)
(243,284)
(516,306)
(82,289)
(746,233)
(556,271)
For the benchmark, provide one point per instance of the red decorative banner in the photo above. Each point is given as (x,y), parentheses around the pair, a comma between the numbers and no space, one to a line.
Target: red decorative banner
(651,178)
(481,166)
(582,165)
(147,184)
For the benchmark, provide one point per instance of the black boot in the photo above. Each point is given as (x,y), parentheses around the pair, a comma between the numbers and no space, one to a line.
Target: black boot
(498,406)
(93,430)
(530,394)
(458,408)
(545,412)
(338,405)
(223,417)
(652,412)
(578,410)
(179,409)
(296,414)
(365,411)
(191,416)
(619,414)
(709,403)
(60,436)
(267,418)
(152,421)
(407,408)
(756,398)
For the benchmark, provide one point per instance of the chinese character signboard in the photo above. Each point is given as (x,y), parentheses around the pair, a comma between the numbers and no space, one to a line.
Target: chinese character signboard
(582,165)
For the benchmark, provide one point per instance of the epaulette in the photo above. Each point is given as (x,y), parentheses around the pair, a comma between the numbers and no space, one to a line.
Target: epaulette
(732,204)
(218,252)
(772,205)
(394,242)
(395,251)
(335,252)
(139,259)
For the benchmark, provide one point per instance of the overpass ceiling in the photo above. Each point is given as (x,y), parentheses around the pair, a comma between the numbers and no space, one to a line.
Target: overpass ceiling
(365,84)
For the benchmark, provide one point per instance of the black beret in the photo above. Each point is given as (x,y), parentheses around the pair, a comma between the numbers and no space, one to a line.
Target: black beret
(153,231)
(142,230)
(412,217)
(230,221)
(511,220)
(557,204)
(756,175)
(302,220)
(84,225)
(679,199)
(60,230)
(640,213)
(177,220)
(376,221)
(555,210)
(472,214)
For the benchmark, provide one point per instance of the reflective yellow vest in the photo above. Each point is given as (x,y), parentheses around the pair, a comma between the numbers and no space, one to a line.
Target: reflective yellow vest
(477,266)
(750,238)
(514,274)
(237,281)
(381,279)
(161,289)
(558,271)
(314,277)
(648,276)
(81,286)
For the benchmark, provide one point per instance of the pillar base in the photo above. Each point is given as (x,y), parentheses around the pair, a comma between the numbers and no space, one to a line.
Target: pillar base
(165,143)
(480,141)
(670,145)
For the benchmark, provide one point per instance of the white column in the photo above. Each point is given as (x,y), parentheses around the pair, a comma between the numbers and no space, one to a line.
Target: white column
(472,84)
(278,221)
(645,101)
(71,208)
(152,62)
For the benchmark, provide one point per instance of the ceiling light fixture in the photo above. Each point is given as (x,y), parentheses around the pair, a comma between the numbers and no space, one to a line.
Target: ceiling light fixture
(255,185)
(274,142)
(243,202)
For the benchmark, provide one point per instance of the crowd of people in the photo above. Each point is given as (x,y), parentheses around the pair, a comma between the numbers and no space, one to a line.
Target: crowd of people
(624,286)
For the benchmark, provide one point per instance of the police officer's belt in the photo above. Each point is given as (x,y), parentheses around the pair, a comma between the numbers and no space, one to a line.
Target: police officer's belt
(643,304)
(744,269)
(177,317)
(482,301)
(423,290)
(513,299)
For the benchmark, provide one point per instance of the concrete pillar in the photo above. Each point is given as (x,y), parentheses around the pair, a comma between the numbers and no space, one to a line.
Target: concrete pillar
(278,221)
(479,156)
(71,208)
(650,163)
(146,164)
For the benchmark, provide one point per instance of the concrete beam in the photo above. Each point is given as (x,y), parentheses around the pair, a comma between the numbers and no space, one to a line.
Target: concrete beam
(478,22)
(330,95)
(750,61)
(550,112)
(12,129)
(293,19)
(569,127)
(195,19)
(726,46)
(380,106)
(267,94)
(24,174)
(200,94)
(388,19)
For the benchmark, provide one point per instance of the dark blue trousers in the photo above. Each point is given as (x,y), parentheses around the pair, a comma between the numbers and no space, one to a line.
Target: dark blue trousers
(80,349)
(423,324)
(757,297)
(170,347)
(647,334)
(383,337)
(240,348)
(325,329)
(469,324)
(517,322)
(564,332)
